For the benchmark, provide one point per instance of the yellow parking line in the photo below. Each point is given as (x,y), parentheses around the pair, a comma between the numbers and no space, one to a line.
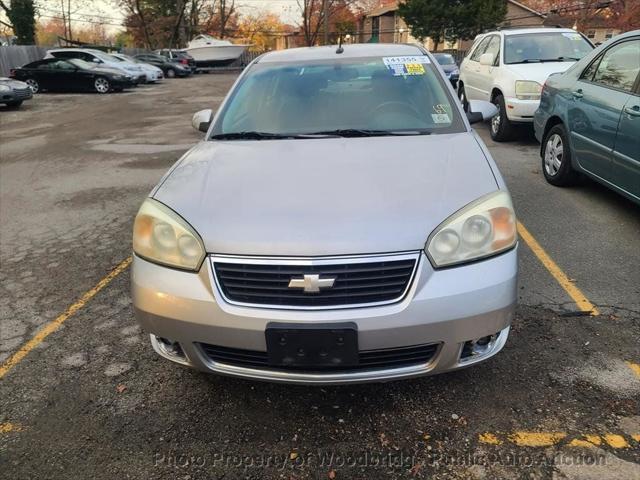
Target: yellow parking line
(547,439)
(9,427)
(635,368)
(52,326)
(557,273)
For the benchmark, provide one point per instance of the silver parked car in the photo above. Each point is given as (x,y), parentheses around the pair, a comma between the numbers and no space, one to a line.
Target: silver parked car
(340,223)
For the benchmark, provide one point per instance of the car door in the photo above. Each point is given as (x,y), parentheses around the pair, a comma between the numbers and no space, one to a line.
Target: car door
(485,72)
(472,82)
(626,151)
(62,76)
(594,111)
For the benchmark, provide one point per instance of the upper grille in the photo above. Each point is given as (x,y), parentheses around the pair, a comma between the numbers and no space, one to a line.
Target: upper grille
(368,359)
(358,281)
(22,93)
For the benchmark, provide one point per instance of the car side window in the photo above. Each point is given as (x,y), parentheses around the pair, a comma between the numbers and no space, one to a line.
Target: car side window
(42,66)
(493,47)
(619,66)
(475,56)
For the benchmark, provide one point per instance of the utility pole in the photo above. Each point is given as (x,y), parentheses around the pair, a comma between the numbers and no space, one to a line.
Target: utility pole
(325,15)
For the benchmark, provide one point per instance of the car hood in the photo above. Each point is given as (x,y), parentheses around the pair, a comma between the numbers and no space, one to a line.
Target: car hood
(112,71)
(329,196)
(12,83)
(449,68)
(537,72)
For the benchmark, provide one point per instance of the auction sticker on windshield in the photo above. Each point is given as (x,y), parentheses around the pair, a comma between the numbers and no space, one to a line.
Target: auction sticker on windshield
(406,65)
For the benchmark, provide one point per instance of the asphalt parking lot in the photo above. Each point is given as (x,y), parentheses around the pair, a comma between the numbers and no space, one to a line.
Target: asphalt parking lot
(82,394)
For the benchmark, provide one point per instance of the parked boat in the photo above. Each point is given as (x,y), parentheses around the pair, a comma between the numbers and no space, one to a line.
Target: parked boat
(213,52)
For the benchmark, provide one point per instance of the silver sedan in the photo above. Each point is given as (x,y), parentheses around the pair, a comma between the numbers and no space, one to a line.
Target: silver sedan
(340,223)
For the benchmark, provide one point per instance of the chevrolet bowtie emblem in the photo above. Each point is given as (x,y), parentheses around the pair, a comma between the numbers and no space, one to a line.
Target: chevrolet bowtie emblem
(312,283)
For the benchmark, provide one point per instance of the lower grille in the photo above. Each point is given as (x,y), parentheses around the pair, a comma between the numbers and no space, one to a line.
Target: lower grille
(22,93)
(344,282)
(368,359)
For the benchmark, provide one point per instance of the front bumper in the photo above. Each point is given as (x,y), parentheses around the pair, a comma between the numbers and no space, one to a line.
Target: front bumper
(521,110)
(447,307)
(15,95)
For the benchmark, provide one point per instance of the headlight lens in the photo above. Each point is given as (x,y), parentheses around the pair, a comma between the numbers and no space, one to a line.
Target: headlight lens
(528,90)
(481,229)
(4,88)
(160,235)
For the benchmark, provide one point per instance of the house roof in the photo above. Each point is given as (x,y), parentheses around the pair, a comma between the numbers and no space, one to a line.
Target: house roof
(528,9)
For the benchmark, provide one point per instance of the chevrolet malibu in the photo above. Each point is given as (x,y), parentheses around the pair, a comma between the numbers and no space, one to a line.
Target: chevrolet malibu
(340,223)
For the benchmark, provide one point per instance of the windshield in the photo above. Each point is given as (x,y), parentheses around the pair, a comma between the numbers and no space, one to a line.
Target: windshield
(545,47)
(444,59)
(352,97)
(105,57)
(81,63)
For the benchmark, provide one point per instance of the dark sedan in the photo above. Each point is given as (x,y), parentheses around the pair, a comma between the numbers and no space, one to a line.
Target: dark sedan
(588,121)
(13,92)
(54,74)
(170,69)
(179,56)
(450,67)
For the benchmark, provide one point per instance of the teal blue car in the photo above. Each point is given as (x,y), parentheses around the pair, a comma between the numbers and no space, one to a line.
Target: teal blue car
(588,121)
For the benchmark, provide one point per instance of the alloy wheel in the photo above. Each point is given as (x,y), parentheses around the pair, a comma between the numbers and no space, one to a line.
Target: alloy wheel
(33,85)
(553,153)
(495,122)
(102,85)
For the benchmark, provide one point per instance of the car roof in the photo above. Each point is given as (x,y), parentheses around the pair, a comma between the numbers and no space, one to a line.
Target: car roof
(349,51)
(519,31)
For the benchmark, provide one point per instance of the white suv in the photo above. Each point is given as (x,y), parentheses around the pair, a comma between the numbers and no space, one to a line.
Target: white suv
(509,67)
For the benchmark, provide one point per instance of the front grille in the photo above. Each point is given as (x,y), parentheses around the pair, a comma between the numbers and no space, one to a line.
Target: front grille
(22,93)
(357,281)
(368,359)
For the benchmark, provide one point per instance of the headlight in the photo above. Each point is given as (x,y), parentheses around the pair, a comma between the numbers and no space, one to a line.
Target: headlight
(483,228)
(160,235)
(4,88)
(528,90)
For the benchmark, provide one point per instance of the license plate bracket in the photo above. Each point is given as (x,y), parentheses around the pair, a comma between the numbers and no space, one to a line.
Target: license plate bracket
(323,346)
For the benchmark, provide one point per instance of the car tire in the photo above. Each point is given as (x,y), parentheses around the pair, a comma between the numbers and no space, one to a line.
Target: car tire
(556,158)
(462,95)
(102,85)
(171,73)
(501,128)
(33,85)
(14,104)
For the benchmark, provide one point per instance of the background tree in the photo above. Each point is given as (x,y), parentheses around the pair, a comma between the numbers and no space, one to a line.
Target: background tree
(451,19)
(341,15)
(261,30)
(21,15)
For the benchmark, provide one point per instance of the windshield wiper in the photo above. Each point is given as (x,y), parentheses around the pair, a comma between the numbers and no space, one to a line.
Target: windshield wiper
(251,136)
(546,60)
(358,132)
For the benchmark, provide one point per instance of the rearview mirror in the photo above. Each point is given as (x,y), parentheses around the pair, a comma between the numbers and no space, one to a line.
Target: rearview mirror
(481,111)
(202,120)
(487,59)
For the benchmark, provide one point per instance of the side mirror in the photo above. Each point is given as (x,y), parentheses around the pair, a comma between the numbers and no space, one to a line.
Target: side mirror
(202,120)
(487,59)
(96,60)
(481,111)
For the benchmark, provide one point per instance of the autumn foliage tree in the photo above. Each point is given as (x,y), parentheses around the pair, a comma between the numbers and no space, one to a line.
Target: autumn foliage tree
(341,19)
(261,30)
